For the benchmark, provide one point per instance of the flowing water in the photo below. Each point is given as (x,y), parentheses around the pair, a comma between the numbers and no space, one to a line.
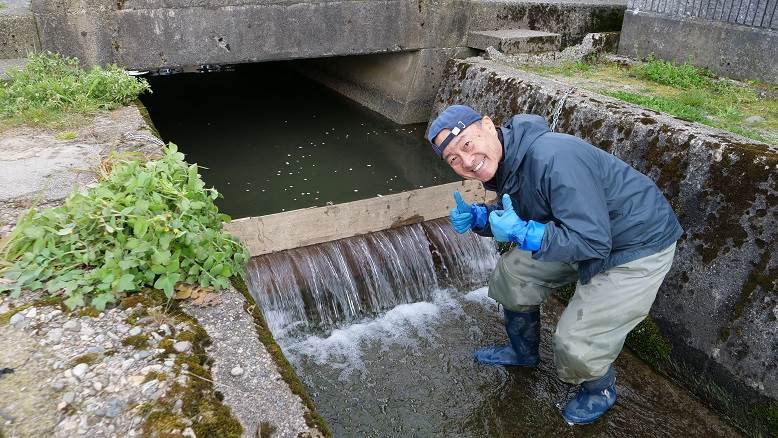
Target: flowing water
(383,340)
(271,140)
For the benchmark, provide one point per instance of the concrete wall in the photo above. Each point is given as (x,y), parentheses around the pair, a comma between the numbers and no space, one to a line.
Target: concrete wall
(18,34)
(738,38)
(163,33)
(719,304)
(731,50)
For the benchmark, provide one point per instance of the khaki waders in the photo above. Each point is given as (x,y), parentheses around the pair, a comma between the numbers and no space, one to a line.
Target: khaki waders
(591,332)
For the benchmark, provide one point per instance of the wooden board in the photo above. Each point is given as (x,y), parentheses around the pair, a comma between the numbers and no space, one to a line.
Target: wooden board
(293,229)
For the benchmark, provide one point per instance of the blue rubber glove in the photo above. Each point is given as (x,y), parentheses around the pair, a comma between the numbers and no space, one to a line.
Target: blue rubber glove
(507,226)
(465,216)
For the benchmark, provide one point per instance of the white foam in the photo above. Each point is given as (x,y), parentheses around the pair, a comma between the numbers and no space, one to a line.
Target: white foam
(480,296)
(403,325)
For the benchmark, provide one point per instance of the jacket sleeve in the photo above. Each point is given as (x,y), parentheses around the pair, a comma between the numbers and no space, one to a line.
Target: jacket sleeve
(580,229)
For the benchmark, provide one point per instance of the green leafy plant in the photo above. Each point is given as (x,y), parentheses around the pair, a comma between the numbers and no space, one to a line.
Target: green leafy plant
(50,86)
(148,224)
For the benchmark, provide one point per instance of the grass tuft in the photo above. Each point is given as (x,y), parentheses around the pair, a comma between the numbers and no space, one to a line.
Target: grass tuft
(679,76)
(50,88)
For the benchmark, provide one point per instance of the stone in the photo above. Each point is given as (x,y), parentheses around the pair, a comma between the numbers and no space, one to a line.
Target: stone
(149,387)
(80,370)
(58,385)
(236,371)
(164,328)
(54,336)
(113,408)
(98,386)
(188,432)
(32,312)
(68,397)
(182,346)
(87,331)
(142,354)
(72,325)
(135,331)
(95,349)
(17,318)
(753,120)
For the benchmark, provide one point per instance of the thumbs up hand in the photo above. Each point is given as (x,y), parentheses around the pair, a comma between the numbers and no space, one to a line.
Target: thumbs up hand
(464,216)
(506,224)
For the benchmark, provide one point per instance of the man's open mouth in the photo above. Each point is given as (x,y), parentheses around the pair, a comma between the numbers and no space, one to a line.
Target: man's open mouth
(480,165)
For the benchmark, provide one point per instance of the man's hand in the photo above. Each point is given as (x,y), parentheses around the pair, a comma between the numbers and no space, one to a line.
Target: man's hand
(464,216)
(507,226)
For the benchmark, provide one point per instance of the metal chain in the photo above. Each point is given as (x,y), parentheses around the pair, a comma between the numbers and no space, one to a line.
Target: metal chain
(558,109)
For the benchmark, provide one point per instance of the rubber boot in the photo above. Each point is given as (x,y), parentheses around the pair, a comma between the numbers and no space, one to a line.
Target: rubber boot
(524,334)
(593,399)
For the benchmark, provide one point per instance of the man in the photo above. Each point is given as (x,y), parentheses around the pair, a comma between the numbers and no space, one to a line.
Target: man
(575,212)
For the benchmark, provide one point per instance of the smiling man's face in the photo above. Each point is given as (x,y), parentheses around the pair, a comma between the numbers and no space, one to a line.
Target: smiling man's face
(475,152)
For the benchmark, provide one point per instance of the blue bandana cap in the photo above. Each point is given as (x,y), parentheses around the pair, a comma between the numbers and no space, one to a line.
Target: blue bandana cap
(454,118)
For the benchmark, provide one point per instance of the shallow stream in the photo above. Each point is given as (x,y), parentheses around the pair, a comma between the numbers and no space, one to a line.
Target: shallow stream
(410,372)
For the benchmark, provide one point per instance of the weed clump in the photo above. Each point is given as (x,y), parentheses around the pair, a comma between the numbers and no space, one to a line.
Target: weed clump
(679,76)
(149,224)
(51,86)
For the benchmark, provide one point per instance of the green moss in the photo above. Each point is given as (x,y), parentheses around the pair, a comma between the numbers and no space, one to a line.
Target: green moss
(312,417)
(140,341)
(87,358)
(648,343)
(167,345)
(160,421)
(5,318)
(760,277)
(89,311)
(147,298)
(144,112)
(266,430)
(767,414)
(750,165)
(200,402)
(155,375)
(566,292)
(645,340)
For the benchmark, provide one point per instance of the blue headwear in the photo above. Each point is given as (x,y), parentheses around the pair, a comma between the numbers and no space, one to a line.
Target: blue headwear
(455,118)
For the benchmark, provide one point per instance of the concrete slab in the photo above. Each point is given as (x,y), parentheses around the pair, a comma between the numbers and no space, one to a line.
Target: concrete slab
(37,168)
(272,233)
(512,41)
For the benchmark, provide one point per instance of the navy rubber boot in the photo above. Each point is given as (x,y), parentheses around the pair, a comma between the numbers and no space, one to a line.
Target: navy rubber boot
(524,334)
(593,399)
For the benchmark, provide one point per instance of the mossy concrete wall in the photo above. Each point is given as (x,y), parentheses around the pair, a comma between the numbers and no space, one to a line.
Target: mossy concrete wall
(719,304)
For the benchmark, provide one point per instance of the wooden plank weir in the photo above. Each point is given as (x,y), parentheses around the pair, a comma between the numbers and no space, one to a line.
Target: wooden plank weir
(293,229)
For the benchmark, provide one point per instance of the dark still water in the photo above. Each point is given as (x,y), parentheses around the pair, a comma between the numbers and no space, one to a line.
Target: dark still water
(272,140)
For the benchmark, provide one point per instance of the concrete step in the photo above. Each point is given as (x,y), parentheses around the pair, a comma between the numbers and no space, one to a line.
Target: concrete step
(513,41)
(572,19)
(18,33)
(6,64)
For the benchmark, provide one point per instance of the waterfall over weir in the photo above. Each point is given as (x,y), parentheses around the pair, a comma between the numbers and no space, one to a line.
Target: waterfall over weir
(321,286)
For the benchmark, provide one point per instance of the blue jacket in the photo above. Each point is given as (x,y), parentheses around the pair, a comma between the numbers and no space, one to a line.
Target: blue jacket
(598,211)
